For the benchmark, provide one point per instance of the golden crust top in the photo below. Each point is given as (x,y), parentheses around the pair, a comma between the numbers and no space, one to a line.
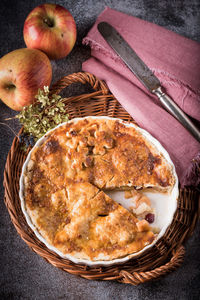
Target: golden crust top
(66,174)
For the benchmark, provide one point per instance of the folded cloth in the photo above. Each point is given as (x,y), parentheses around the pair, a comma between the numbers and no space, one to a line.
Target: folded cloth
(175,60)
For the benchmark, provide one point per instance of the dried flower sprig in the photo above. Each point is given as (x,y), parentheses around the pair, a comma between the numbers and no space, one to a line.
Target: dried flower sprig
(44,114)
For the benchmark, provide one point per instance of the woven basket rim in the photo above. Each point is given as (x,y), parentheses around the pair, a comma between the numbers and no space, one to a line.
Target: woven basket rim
(167,254)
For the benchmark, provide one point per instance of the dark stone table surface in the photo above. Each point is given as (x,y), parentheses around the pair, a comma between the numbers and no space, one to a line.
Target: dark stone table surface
(24,274)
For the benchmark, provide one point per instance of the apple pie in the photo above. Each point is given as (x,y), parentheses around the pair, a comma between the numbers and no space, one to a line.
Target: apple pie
(66,178)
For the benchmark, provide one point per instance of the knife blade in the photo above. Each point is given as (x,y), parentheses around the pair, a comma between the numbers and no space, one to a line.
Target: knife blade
(145,75)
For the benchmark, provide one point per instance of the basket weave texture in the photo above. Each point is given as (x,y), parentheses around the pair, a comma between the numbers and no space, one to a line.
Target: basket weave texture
(165,256)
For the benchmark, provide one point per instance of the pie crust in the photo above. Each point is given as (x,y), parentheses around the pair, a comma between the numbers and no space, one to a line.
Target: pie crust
(66,178)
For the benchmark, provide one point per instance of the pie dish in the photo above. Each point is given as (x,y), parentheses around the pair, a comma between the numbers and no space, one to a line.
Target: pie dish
(64,185)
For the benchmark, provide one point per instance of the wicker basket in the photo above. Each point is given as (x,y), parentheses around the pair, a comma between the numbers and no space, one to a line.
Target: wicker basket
(165,256)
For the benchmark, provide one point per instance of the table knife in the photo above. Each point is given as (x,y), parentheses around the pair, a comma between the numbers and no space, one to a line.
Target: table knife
(145,75)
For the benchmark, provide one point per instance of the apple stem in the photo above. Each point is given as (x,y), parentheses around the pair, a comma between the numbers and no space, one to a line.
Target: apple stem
(49,22)
(11,86)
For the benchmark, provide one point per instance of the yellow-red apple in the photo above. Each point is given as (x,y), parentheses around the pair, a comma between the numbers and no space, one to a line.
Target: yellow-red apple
(51,29)
(22,73)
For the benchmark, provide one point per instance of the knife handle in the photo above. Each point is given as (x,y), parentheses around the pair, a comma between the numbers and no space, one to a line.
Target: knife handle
(175,110)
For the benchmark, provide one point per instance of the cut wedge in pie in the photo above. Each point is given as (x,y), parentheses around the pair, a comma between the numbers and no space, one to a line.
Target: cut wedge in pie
(64,182)
(91,225)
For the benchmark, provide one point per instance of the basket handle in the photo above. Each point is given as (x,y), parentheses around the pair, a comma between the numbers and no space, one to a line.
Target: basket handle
(82,77)
(136,278)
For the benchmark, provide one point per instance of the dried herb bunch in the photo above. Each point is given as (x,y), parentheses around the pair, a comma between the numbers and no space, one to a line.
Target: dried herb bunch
(44,114)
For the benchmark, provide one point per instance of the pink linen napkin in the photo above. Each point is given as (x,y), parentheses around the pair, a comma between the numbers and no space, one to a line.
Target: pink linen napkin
(175,60)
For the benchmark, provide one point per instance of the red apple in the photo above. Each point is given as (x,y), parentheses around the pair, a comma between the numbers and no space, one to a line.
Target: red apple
(51,29)
(22,72)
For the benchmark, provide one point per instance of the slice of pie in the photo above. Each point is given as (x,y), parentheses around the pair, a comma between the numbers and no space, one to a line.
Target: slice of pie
(83,221)
(65,182)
